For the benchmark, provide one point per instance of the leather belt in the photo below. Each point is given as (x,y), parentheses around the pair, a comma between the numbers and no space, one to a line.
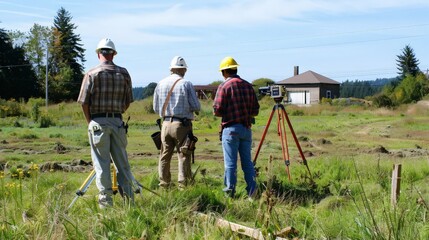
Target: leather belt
(230,124)
(173,119)
(106,115)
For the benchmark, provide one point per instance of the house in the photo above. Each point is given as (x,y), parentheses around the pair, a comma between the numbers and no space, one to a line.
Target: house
(205,91)
(309,87)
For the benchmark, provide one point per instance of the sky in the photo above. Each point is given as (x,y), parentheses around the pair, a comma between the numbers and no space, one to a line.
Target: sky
(339,39)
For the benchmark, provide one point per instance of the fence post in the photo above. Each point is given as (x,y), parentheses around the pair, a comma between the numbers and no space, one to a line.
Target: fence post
(396,184)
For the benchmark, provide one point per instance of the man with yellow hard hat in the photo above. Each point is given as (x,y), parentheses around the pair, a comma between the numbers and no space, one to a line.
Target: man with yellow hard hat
(237,104)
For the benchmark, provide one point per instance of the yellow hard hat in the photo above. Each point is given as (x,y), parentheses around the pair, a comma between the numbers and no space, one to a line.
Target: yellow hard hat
(228,62)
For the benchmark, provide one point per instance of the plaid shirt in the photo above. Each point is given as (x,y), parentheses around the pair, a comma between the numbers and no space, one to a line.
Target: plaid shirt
(106,88)
(236,102)
(183,100)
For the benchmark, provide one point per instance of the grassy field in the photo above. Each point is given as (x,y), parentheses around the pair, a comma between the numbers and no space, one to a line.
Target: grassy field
(350,151)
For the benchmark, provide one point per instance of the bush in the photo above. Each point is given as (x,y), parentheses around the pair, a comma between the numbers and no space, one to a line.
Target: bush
(35,113)
(297,112)
(327,101)
(341,102)
(10,108)
(382,100)
(46,121)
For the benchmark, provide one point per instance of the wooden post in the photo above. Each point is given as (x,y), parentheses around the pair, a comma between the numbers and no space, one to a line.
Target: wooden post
(396,184)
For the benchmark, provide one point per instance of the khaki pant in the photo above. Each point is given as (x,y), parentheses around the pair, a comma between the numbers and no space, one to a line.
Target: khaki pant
(172,136)
(108,142)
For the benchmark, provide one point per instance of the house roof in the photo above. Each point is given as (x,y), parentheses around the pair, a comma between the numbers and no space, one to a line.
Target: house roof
(308,77)
(205,87)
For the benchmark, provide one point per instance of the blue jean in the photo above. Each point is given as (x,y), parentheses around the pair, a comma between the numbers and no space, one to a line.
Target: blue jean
(237,139)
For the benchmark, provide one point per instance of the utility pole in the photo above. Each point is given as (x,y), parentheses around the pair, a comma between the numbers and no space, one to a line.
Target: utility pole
(46,81)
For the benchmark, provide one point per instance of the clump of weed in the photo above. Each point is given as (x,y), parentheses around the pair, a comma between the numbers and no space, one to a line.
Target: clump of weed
(46,121)
(28,136)
(35,112)
(297,112)
(56,135)
(17,124)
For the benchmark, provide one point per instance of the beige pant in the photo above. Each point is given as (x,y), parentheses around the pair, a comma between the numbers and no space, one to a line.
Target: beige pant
(172,136)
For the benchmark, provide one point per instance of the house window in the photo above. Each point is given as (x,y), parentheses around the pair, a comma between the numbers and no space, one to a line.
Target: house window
(328,94)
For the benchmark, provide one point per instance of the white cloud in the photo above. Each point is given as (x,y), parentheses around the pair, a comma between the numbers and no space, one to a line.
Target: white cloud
(28,14)
(145,23)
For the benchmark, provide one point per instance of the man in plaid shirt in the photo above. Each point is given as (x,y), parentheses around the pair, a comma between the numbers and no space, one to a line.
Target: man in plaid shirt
(237,104)
(177,113)
(105,94)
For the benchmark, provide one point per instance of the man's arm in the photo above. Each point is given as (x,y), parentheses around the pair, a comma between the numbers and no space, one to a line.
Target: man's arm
(155,101)
(218,102)
(255,105)
(85,109)
(193,99)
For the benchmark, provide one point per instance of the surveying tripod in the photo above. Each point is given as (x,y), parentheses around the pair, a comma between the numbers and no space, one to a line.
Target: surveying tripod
(281,131)
(115,187)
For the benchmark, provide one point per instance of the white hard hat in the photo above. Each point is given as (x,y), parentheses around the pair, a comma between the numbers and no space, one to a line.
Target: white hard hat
(178,62)
(106,43)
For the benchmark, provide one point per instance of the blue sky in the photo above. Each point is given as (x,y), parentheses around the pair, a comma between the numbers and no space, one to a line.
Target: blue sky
(340,39)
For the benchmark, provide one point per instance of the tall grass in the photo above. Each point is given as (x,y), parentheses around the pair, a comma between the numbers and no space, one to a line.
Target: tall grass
(347,197)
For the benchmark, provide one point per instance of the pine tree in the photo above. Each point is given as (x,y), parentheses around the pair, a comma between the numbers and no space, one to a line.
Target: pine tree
(407,63)
(67,57)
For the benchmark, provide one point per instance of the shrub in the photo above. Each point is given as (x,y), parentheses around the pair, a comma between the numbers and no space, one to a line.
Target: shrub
(297,112)
(341,102)
(10,108)
(35,112)
(29,136)
(46,121)
(382,100)
(327,101)
(17,124)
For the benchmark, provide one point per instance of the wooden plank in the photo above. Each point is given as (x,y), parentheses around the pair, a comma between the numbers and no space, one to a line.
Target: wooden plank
(235,227)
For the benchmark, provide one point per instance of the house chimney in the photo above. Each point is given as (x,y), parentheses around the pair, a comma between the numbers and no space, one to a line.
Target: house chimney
(296,70)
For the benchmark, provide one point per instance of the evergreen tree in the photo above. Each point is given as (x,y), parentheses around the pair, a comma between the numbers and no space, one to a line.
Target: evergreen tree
(66,59)
(359,89)
(149,90)
(17,78)
(407,63)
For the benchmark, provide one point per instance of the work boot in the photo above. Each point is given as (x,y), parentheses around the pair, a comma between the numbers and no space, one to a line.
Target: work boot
(165,185)
(229,193)
(104,201)
(181,186)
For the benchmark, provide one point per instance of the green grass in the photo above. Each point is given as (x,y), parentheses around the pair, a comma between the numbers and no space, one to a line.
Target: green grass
(348,197)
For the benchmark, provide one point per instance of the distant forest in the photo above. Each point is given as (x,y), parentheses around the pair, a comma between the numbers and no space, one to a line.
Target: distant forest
(362,89)
(357,89)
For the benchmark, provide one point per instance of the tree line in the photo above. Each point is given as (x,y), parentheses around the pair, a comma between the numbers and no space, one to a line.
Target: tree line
(363,89)
(25,57)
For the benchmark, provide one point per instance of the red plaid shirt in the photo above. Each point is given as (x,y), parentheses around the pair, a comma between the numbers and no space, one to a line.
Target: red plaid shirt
(236,102)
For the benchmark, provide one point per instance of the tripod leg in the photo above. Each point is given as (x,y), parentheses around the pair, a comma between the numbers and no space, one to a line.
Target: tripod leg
(296,142)
(82,190)
(263,136)
(283,139)
(114,179)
